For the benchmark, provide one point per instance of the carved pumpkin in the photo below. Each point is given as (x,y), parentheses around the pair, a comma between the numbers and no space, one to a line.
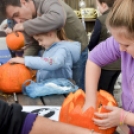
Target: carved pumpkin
(15,40)
(12,76)
(71,110)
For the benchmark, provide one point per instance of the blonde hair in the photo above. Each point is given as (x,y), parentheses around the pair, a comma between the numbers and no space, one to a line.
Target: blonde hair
(61,34)
(122,15)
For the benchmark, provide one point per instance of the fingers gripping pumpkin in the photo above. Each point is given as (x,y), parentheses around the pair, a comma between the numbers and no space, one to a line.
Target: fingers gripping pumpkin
(71,110)
(12,76)
(15,40)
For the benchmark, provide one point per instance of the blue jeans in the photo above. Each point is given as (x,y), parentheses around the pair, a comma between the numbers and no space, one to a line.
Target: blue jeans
(79,70)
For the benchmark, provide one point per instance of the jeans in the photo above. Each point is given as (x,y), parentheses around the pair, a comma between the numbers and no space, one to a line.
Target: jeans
(79,70)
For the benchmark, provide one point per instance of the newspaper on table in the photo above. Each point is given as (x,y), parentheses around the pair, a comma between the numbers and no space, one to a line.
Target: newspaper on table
(51,112)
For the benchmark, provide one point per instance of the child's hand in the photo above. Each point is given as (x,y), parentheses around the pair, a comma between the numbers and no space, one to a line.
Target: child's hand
(8,30)
(110,119)
(17,60)
(87,105)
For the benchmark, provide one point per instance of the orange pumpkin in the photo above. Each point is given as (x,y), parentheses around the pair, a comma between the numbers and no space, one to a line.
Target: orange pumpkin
(71,110)
(12,76)
(15,40)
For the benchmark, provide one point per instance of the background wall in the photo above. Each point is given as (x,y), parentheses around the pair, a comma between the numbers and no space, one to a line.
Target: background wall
(75,3)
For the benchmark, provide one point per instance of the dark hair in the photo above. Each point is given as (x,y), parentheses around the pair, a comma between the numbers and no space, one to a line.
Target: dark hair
(108,2)
(5,3)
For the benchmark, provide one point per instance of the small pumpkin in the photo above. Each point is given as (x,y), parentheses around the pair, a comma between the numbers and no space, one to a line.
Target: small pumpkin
(15,40)
(71,110)
(12,76)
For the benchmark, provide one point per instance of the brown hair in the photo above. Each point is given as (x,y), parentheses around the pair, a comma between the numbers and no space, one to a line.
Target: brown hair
(61,34)
(108,2)
(122,15)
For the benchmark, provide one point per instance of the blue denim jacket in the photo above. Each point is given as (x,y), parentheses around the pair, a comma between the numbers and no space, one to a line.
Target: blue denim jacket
(56,62)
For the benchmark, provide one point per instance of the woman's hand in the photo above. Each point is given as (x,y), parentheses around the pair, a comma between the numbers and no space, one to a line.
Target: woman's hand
(110,119)
(17,60)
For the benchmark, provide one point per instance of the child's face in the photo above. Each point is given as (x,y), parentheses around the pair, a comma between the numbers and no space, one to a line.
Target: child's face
(44,40)
(126,43)
(102,7)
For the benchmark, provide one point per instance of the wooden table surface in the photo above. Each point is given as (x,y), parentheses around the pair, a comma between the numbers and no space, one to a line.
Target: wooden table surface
(55,100)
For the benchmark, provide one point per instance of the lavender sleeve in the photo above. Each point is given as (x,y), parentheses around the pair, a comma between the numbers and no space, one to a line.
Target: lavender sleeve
(106,52)
(28,124)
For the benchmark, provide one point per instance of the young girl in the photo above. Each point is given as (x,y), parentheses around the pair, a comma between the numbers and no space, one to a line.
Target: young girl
(58,58)
(120,23)
(109,73)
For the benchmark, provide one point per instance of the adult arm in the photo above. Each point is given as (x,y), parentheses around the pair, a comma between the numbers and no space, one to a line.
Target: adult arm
(45,126)
(52,17)
(94,40)
(53,62)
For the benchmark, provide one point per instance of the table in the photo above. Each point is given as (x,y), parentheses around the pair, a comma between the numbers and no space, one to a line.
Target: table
(55,100)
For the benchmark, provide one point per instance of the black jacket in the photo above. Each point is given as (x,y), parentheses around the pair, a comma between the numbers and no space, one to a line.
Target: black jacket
(11,118)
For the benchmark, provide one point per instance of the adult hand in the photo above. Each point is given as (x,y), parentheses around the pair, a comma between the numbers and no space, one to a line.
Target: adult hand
(108,120)
(17,60)
(18,27)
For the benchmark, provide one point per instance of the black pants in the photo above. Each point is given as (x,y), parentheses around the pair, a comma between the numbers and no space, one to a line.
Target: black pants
(108,79)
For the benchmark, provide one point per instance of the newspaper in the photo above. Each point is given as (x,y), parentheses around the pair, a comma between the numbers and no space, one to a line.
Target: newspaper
(51,112)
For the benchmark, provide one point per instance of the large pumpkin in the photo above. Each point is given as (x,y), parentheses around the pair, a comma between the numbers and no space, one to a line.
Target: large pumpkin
(12,76)
(71,110)
(15,40)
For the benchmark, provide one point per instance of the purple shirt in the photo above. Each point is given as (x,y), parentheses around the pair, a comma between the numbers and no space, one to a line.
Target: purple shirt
(107,52)
(28,124)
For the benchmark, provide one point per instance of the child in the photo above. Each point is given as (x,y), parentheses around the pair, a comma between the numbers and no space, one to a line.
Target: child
(109,73)
(58,58)
(120,23)
(14,121)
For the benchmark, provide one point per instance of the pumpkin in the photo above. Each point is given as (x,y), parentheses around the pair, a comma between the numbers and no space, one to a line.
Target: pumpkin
(12,76)
(15,40)
(71,110)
